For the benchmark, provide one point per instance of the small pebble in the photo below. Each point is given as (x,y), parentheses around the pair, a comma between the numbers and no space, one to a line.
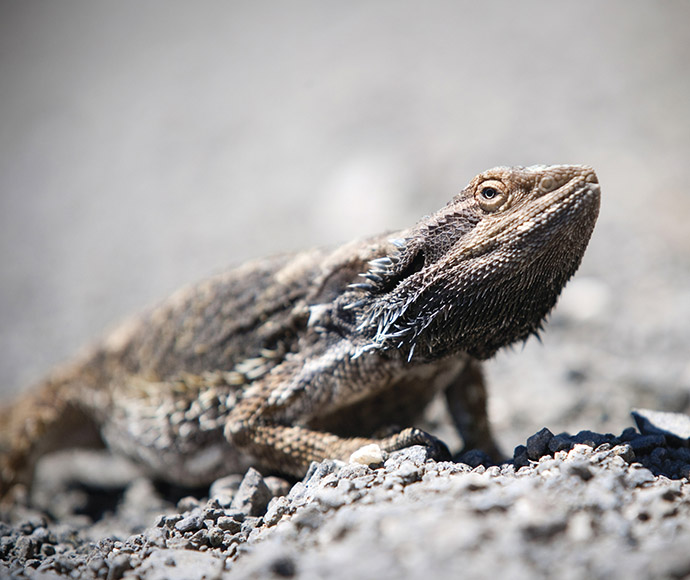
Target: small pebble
(190,523)
(538,444)
(368,455)
(253,495)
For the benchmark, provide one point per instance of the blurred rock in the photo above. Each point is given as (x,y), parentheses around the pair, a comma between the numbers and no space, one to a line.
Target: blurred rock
(674,426)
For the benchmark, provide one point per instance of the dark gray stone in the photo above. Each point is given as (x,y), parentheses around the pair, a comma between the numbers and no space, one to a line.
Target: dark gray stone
(538,444)
(199,538)
(215,537)
(250,524)
(475,458)
(674,426)
(681,454)
(629,434)
(190,523)
(171,521)
(211,512)
(229,524)
(561,442)
(625,451)
(253,495)
(520,458)
(645,443)
(658,456)
(317,471)
(277,508)
(591,438)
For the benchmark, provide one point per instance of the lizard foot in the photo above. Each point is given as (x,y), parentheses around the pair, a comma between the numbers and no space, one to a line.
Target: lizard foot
(413,436)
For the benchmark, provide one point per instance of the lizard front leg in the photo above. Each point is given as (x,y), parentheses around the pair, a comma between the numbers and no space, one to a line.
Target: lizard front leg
(270,421)
(467,400)
(290,450)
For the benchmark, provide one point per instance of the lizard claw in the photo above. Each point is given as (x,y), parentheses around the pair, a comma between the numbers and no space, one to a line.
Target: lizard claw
(437,449)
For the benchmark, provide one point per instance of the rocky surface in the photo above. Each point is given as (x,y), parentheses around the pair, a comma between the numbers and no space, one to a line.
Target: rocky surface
(584,506)
(145,146)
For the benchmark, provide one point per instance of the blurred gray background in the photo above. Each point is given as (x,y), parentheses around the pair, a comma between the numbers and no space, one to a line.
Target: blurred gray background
(146,145)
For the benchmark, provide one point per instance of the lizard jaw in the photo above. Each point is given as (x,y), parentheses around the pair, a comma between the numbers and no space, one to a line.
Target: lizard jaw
(496,285)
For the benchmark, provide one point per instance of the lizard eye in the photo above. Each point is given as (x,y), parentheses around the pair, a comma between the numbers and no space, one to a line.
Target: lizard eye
(491,196)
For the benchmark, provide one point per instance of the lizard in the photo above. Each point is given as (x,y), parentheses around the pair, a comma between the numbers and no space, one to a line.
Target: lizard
(302,357)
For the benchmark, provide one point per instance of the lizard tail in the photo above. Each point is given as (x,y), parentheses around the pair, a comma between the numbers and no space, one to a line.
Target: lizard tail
(48,417)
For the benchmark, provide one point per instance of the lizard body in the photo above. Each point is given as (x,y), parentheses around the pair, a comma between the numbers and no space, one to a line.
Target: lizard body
(303,357)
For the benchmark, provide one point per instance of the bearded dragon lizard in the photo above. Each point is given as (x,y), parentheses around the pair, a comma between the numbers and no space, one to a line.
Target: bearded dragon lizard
(298,358)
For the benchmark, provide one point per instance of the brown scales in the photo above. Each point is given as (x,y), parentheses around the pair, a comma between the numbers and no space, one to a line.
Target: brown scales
(298,358)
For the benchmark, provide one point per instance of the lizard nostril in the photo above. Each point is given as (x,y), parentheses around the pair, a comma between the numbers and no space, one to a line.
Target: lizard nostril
(547,183)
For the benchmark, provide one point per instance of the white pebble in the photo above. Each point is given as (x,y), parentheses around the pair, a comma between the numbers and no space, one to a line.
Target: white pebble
(368,455)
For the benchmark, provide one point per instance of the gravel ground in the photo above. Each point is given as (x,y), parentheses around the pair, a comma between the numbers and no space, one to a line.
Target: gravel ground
(583,506)
(145,146)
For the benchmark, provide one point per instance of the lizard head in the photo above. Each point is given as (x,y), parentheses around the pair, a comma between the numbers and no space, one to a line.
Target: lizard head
(485,270)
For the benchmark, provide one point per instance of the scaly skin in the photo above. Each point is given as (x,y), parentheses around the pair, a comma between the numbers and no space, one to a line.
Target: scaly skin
(298,358)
